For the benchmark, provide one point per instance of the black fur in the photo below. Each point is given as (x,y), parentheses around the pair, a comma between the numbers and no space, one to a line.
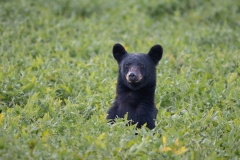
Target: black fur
(136,86)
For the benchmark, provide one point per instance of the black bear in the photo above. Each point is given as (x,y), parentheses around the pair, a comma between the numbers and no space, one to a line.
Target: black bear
(136,86)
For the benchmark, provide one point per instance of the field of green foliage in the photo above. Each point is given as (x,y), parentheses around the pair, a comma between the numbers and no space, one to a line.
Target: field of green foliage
(58,77)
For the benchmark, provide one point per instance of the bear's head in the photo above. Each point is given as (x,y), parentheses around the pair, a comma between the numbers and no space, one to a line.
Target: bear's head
(137,70)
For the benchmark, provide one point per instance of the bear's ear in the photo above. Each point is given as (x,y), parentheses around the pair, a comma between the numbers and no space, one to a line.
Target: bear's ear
(155,53)
(118,52)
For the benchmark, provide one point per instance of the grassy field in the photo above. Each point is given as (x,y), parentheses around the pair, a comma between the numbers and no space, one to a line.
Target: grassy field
(58,77)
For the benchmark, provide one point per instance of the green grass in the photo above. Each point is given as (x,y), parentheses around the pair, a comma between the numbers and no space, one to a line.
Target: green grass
(58,78)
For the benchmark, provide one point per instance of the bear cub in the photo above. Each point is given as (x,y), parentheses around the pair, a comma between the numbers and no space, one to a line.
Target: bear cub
(136,86)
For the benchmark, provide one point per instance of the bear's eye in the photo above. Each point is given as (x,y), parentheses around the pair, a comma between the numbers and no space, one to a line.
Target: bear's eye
(141,65)
(127,65)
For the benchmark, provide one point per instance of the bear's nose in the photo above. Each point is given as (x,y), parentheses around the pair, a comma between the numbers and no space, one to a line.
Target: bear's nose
(132,76)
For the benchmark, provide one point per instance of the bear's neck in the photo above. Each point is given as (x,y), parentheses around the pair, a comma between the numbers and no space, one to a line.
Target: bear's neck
(144,94)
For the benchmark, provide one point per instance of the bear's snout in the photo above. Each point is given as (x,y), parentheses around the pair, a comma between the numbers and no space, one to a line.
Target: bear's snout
(133,77)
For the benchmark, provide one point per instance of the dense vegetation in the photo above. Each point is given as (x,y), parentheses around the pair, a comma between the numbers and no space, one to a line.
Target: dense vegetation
(58,77)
